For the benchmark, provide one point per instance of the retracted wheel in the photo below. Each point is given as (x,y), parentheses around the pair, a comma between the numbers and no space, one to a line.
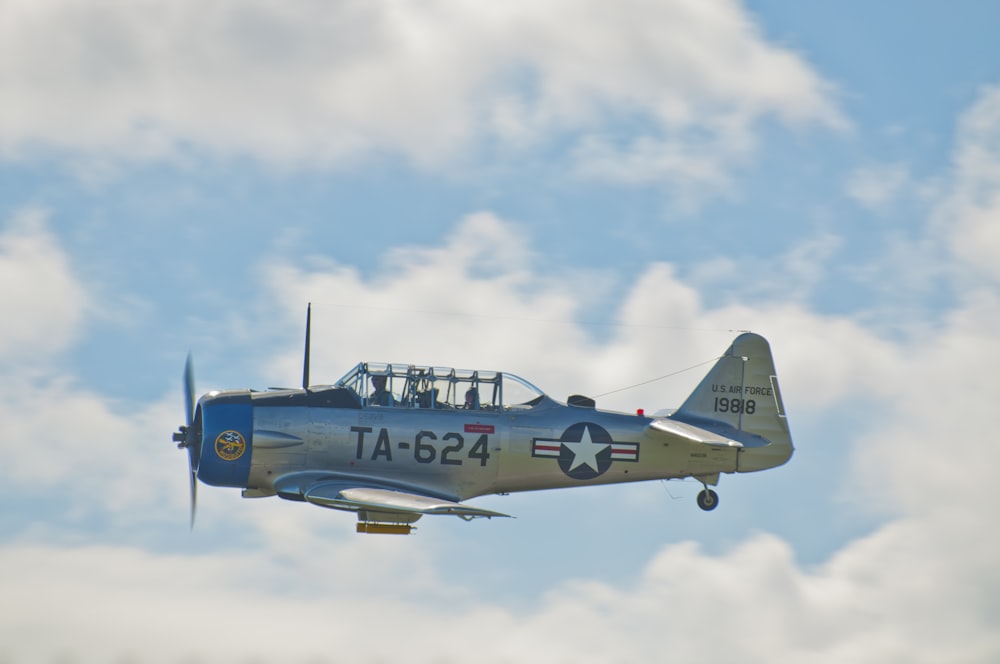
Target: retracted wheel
(708,500)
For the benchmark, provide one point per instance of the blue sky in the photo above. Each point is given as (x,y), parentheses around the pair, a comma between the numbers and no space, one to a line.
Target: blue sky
(587,195)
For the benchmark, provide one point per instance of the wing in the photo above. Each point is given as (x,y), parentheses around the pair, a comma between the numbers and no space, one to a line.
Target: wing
(339,495)
(370,496)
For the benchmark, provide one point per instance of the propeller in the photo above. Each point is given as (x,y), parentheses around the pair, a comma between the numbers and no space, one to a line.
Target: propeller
(189,437)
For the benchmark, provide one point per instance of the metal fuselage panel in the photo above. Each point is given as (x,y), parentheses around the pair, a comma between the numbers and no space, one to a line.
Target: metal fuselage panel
(454,453)
(558,446)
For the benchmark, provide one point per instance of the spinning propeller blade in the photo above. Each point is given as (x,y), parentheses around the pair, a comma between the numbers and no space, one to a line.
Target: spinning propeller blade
(187,436)
(189,389)
(194,497)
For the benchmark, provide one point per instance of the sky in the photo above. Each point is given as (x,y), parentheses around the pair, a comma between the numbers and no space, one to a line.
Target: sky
(591,195)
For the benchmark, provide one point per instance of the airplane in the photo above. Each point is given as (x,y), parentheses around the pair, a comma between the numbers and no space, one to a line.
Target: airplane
(395,442)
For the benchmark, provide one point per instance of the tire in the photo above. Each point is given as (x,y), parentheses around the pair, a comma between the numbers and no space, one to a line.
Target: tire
(708,500)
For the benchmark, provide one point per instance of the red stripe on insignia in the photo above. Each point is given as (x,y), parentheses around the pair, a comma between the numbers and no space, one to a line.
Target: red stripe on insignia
(480,428)
(547,448)
(623,450)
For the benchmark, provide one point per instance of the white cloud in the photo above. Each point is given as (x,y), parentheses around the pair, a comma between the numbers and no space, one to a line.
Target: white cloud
(61,437)
(309,83)
(40,296)
(476,301)
(969,217)
(917,460)
(691,164)
(909,592)
(877,187)
(56,434)
(792,276)
(479,301)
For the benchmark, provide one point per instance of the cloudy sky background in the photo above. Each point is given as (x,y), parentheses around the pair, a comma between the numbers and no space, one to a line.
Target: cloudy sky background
(589,195)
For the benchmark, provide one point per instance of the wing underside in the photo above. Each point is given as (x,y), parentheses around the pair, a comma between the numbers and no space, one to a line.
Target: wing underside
(381,507)
(369,499)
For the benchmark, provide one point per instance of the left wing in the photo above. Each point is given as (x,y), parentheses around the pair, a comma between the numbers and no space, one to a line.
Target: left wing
(353,498)
(356,494)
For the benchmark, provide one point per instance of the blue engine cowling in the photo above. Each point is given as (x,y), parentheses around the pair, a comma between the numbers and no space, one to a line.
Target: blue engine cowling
(227,438)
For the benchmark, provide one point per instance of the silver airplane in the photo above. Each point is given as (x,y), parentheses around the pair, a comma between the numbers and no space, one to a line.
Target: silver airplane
(393,442)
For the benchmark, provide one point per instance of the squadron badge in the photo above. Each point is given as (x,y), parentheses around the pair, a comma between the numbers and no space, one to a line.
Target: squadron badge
(230,445)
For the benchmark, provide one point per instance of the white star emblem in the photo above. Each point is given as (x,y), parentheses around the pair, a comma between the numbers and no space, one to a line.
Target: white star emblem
(585,451)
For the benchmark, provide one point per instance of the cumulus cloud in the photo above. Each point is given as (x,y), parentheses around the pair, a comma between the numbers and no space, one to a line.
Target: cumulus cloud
(876,187)
(308,83)
(410,309)
(41,297)
(512,317)
(889,596)
(969,217)
(54,432)
(793,276)
(60,436)
(936,403)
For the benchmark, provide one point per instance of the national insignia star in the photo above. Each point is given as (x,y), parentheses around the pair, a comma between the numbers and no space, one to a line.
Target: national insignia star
(585,451)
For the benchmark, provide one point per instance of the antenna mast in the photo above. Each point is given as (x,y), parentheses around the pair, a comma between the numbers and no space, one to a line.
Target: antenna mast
(305,360)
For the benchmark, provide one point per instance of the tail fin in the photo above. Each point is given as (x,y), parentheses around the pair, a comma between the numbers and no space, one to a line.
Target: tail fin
(740,399)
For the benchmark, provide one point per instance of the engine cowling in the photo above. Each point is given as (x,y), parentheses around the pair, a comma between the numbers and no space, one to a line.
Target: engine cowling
(226,438)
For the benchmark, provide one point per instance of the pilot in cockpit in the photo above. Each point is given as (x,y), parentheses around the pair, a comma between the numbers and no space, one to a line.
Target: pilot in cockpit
(472,399)
(380,396)
(428,399)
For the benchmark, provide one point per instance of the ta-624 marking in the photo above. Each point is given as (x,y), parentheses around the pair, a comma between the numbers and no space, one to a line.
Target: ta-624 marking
(424,450)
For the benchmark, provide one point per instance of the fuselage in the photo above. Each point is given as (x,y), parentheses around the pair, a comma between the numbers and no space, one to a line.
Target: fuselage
(255,440)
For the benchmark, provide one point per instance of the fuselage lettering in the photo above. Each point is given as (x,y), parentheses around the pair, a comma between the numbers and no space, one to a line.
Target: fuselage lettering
(735,405)
(361,431)
(382,446)
(745,390)
(425,450)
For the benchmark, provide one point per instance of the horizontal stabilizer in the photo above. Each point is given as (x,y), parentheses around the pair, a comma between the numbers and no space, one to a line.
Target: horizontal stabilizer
(689,433)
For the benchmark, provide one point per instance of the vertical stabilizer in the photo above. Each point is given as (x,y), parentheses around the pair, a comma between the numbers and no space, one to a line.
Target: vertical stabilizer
(740,399)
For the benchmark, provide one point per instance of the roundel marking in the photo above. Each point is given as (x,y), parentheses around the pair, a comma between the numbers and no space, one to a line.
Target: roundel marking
(230,445)
(585,452)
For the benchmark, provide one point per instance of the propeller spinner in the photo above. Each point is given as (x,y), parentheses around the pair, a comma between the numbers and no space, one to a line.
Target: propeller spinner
(189,436)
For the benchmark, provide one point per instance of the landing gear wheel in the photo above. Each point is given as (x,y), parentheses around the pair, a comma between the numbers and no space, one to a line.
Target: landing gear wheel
(708,500)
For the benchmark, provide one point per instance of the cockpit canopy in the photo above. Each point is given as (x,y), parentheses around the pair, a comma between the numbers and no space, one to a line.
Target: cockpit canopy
(412,386)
